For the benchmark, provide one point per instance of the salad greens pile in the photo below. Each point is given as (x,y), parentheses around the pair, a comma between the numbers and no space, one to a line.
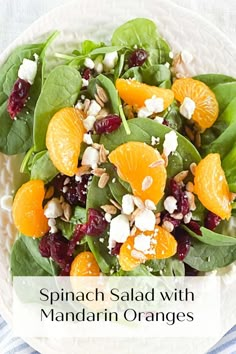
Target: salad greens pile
(74,84)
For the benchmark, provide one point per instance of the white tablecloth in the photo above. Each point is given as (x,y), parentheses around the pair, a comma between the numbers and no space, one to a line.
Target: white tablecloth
(15,17)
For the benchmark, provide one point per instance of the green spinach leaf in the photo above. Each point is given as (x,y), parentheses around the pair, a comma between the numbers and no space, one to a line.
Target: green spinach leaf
(212,238)
(212,80)
(60,90)
(42,167)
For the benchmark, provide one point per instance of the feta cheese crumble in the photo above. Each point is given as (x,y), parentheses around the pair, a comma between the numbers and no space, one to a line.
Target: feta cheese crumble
(90,157)
(94,108)
(151,105)
(89,63)
(53,209)
(28,69)
(142,243)
(87,139)
(127,204)
(119,230)
(84,82)
(145,220)
(89,122)
(187,108)
(170,143)
(170,204)
(110,60)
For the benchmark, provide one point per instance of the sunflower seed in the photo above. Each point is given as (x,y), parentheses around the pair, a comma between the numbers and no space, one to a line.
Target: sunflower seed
(103,180)
(109,208)
(181,176)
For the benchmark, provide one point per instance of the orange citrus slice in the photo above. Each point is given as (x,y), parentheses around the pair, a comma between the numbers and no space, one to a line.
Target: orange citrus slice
(211,186)
(85,265)
(162,245)
(142,166)
(135,93)
(63,139)
(207,108)
(27,210)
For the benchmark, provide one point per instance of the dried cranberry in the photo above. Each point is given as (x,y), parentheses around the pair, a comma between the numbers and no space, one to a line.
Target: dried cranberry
(137,58)
(175,189)
(79,233)
(44,246)
(189,271)
(173,221)
(107,124)
(75,192)
(59,247)
(116,250)
(18,97)
(66,270)
(96,223)
(212,220)
(87,73)
(195,227)
(165,122)
(183,204)
(184,243)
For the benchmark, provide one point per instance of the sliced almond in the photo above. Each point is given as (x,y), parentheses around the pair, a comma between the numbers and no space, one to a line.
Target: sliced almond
(103,154)
(177,216)
(168,226)
(165,159)
(98,171)
(101,94)
(96,146)
(99,101)
(86,105)
(115,204)
(103,180)
(67,211)
(109,208)
(156,163)
(193,168)
(181,176)
(191,201)
(102,114)
(133,231)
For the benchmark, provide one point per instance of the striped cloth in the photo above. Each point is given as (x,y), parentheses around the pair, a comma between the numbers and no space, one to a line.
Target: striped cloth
(13,345)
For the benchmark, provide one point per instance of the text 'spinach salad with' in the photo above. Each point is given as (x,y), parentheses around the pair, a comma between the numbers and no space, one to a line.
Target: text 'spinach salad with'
(130,163)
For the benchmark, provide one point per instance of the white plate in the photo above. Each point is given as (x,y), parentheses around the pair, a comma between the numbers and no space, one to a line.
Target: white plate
(79,20)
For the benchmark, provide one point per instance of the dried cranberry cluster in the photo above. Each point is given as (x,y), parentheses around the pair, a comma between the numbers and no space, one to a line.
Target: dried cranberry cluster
(18,97)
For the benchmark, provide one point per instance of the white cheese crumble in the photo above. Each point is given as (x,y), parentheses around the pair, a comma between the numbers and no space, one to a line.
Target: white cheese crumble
(155,104)
(167,65)
(84,82)
(52,225)
(94,108)
(79,105)
(90,157)
(187,108)
(146,183)
(142,243)
(87,139)
(170,143)
(110,60)
(144,113)
(155,141)
(159,120)
(170,204)
(119,230)
(145,220)
(6,202)
(89,63)
(98,67)
(53,209)
(28,69)
(127,204)
(89,122)
(108,217)
(187,217)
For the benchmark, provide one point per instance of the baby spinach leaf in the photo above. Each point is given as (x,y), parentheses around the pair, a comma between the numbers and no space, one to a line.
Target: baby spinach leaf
(139,32)
(212,238)
(174,117)
(60,90)
(105,50)
(68,228)
(173,267)
(156,265)
(139,271)
(133,73)
(224,142)
(228,164)
(111,91)
(42,167)
(26,259)
(155,75)
(212,80)
(206,258)
(225,93)
(87,47)
(229,114)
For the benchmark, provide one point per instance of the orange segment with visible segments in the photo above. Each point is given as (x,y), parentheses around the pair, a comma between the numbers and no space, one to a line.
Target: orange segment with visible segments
(135,93)
(85,265)
(162,245)
(211,186)
(207,107)
(142,167)
(64,138)
(27,210)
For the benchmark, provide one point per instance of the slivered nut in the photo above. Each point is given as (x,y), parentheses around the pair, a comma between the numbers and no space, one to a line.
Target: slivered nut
(177,216)
(156,163)
(189,187)
(103,180)
(67,180)
(193,168)
(98,171)
(158,218)
(96,146)
(115,204)
(147,182)
(86,105)
(67,211)
(168,226)
(181,176)
(83,170)
(101,94)
(99,101)
(189,133)
(191,201)
(109,208)
(138,202)
(102,114)
(103,154)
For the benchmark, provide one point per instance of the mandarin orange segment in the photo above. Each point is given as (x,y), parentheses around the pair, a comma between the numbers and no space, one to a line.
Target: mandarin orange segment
(135,93)
(207,108)
(64,138)
(27,210)
(162,245)
(85,265)
(211,186)
(142,166)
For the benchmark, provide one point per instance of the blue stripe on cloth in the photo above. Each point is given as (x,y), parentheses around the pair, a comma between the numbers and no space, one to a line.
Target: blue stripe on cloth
(13,345)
